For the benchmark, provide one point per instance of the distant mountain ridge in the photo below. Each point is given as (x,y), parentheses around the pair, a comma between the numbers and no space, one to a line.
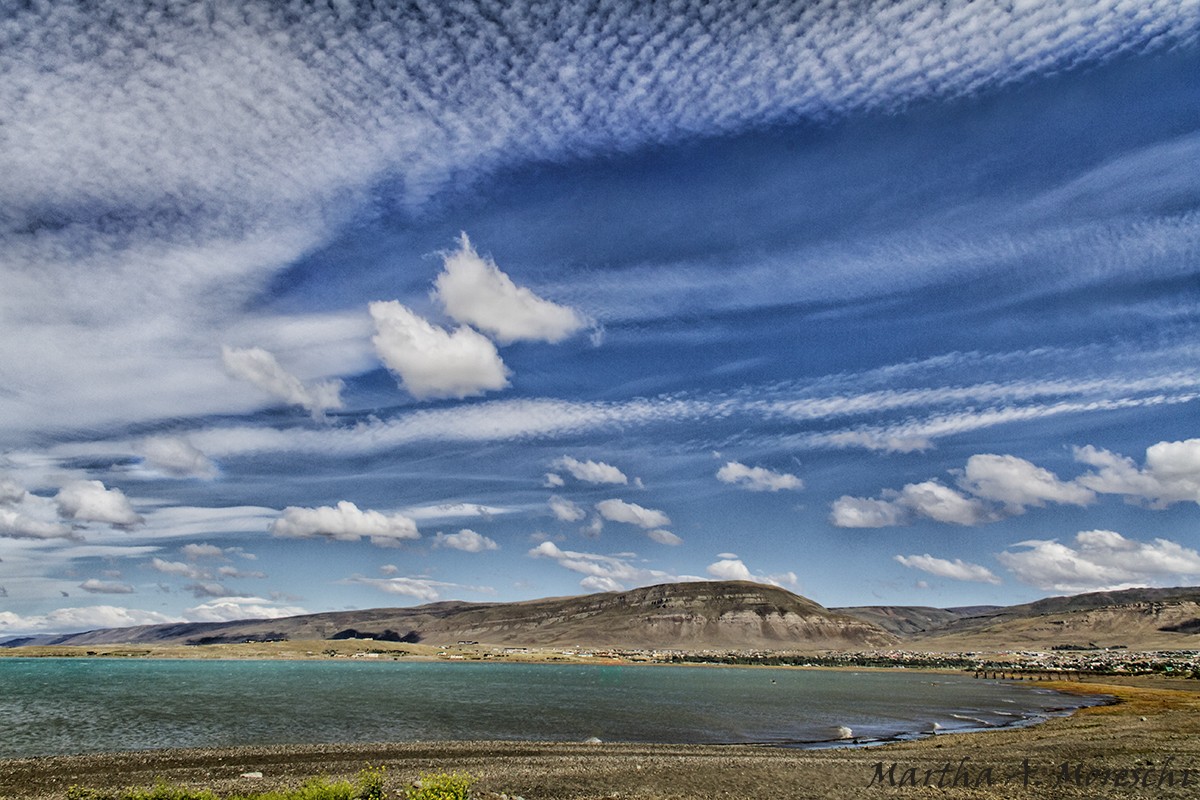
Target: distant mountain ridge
(716,615)
(699,615)
(1135,618)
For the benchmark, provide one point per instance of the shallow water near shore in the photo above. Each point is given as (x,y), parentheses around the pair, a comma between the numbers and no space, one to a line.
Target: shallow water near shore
(77,705)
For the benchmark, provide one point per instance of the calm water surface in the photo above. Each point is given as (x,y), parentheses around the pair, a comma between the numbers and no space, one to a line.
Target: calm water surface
(60,706)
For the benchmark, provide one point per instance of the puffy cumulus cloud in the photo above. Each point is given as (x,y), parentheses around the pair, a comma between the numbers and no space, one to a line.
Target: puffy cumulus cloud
(929,499)
(1171,473)
(619,511)
(431,362)
(97,586)
(91,501)
(1017,483)
(15,525)
(10,491)
(729,569)
(865,512)
(565,510)
(466,540)
(602,572)
(957,569)
(180,569)
(1100,560)
(475,292)
(940,503)
(757,479)
(591,471)
(199,550)
(176,456)
(78,619)
(229,609)
(664,537)
(344,522)
(553,480)
(261,368)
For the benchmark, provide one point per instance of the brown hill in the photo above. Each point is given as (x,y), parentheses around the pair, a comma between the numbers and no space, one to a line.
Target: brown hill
(693,616)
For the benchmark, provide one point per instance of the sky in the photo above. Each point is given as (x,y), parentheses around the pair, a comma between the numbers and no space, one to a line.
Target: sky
(310,307)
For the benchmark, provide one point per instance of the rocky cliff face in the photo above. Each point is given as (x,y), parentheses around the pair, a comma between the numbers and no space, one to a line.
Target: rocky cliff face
(702,615)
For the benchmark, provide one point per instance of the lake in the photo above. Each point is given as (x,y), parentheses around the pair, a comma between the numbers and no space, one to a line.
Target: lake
(52,706)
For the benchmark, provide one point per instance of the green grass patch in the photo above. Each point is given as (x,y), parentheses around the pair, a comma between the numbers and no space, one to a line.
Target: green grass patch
(367,786)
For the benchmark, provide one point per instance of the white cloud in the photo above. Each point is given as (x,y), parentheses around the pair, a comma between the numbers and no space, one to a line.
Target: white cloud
(734,569)
(443,511)
(600,583)
(345,522)
(757,479)
(97,586)
(176,456)
(10,492)
(1171,474)
(864,512)
(1016,483)
(619,511)
(592,471)
(78,619)
(466,540)
(565,510)
(179,568)
(431,362)
(16,525)
(421,588)
(928,499)
(260,368)
(475,292)
(664,537)
(942,504)
(202,589)
(228,609)
(197,551)
(90,501)
(238,574)
(957,569)
(553,481)
(594,527)
(1101,560)
(729,570)
(603,573)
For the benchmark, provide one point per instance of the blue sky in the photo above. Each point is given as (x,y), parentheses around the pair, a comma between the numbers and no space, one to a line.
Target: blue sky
(318,308)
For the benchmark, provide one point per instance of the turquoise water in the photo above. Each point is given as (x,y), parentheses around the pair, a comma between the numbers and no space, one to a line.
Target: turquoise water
(76,705)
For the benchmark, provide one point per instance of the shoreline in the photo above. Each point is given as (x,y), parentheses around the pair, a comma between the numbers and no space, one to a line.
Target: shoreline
(1152,726)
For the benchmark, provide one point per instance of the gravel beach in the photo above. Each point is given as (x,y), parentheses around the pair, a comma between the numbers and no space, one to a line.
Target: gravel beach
(1146,745)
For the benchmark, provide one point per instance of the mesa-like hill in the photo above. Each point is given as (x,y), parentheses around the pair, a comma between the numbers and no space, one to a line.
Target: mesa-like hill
(1140,619)
(692,616)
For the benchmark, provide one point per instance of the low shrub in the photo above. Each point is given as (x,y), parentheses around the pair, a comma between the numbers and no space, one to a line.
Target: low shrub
(367,786)
(441,786)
